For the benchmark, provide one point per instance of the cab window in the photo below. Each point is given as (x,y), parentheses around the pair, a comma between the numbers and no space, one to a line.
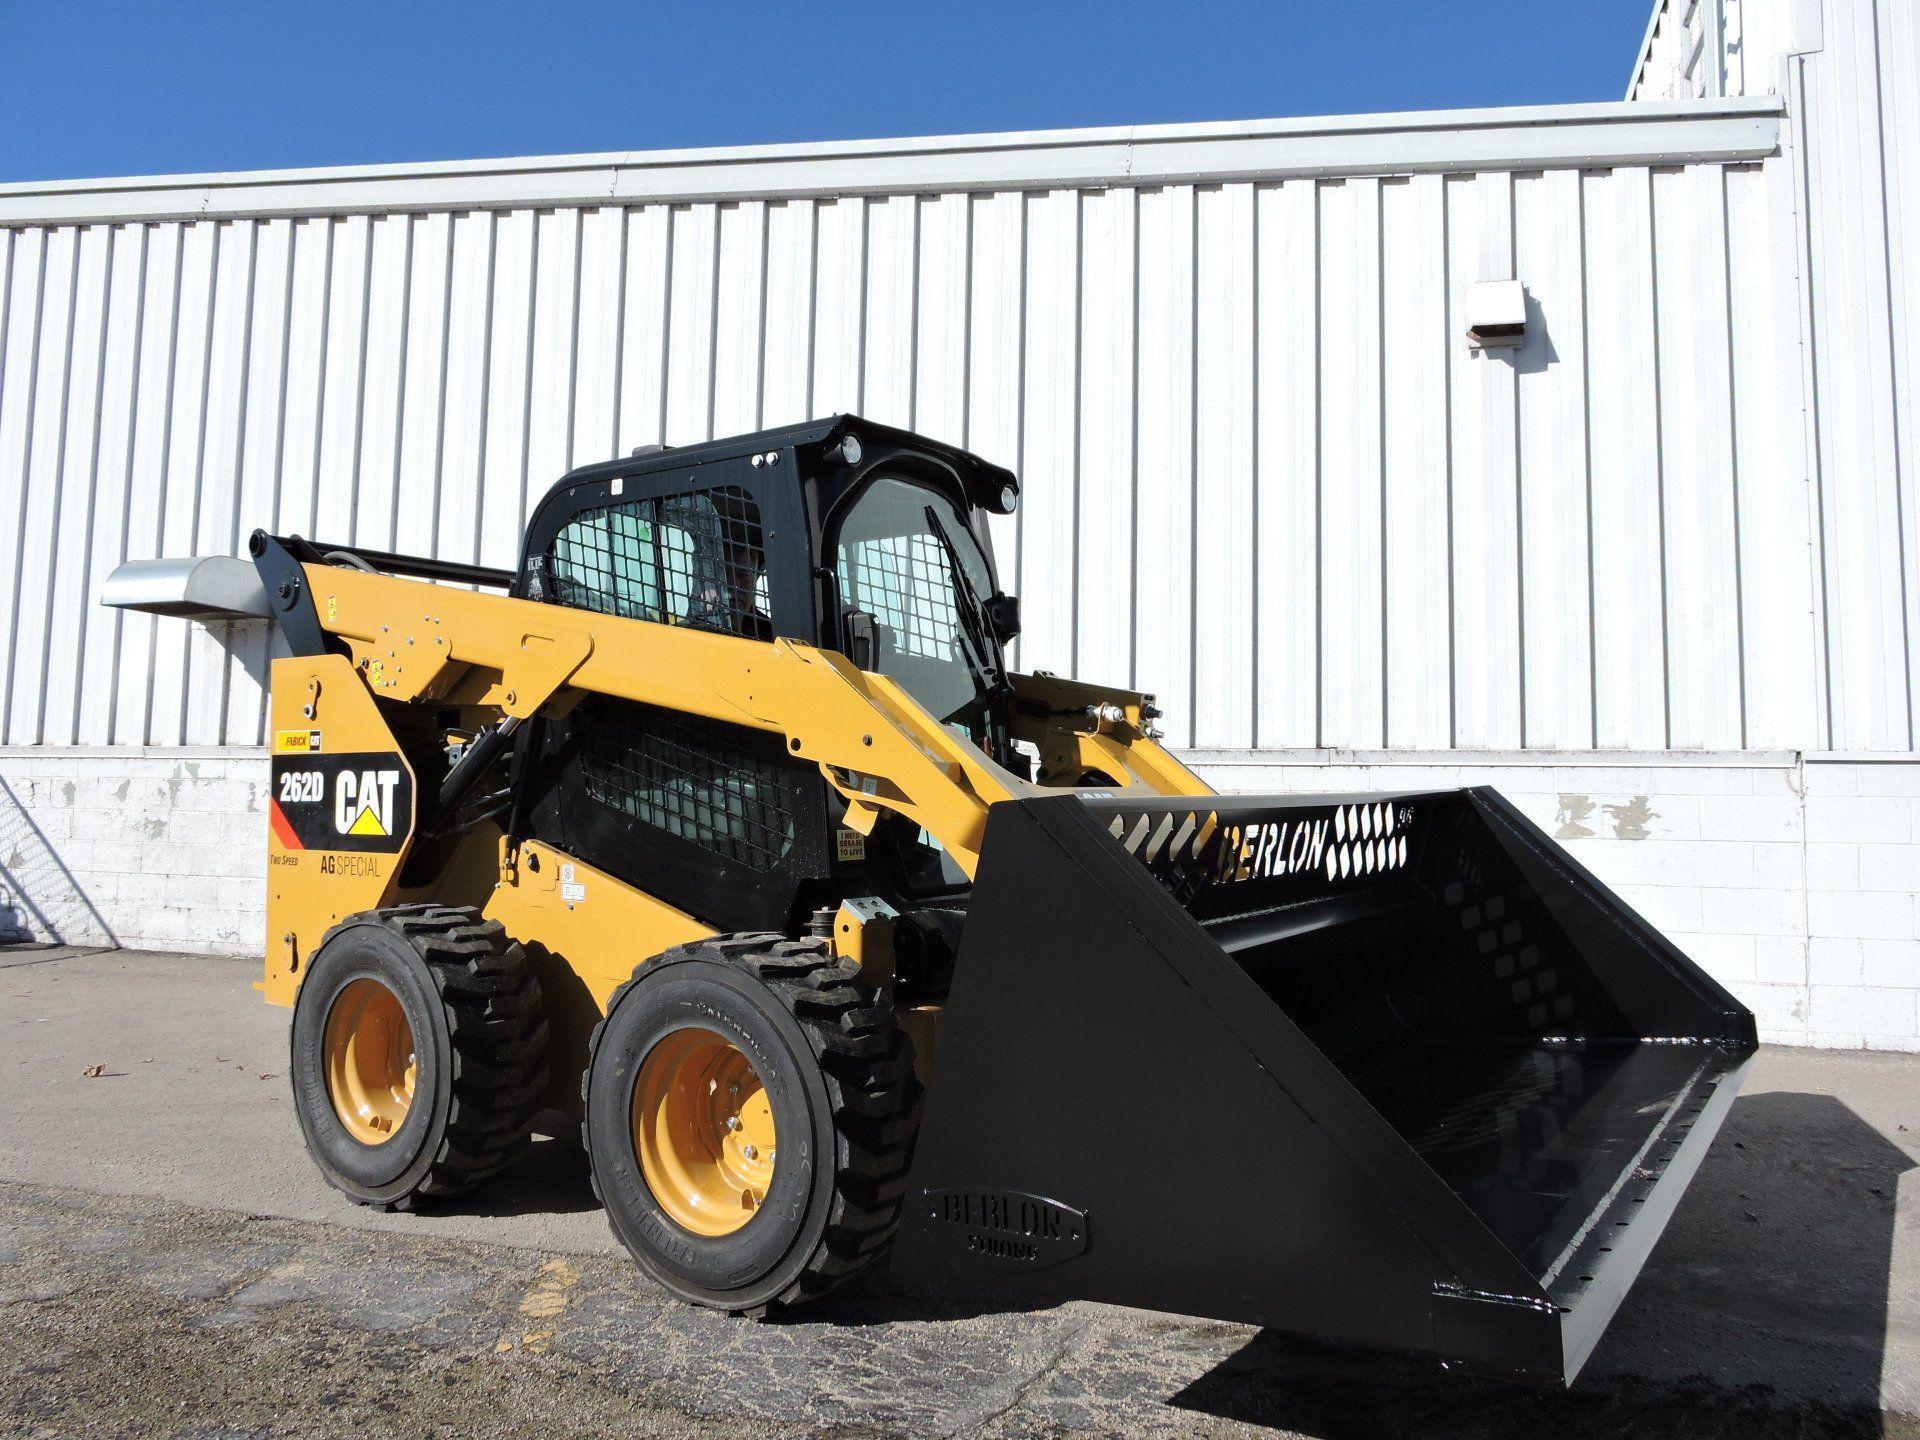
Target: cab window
(696,559)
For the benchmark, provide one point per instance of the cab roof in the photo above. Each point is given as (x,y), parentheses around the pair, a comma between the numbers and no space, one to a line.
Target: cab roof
(984,479)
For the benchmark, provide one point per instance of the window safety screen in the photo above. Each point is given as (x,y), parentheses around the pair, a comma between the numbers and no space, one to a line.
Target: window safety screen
(690,777)
(899,548)
(904,583)
(695,559)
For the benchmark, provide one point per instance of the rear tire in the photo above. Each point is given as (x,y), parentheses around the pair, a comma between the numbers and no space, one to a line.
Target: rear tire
(419,1054)
(836,1082)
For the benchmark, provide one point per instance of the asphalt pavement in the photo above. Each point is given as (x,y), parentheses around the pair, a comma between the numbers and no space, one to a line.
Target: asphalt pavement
(170,1264)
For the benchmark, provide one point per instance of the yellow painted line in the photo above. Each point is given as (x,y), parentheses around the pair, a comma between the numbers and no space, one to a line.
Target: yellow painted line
(546,1300)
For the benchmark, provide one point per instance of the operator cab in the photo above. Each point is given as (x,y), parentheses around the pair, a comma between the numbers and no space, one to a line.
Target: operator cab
(896,570)
(842,534)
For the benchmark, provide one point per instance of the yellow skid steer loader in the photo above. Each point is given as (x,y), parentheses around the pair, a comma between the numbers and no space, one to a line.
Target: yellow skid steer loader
(722,824)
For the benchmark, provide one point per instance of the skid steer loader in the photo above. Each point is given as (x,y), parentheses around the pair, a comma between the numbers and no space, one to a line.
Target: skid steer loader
(722,824)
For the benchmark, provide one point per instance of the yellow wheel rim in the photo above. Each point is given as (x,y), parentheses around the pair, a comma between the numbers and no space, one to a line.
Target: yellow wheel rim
(703,1129)
(370,1066)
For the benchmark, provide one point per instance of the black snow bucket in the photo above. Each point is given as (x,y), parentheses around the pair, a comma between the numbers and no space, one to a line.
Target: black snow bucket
(1389,1070)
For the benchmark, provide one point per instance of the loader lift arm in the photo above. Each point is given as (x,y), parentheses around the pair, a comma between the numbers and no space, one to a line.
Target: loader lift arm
(422,644)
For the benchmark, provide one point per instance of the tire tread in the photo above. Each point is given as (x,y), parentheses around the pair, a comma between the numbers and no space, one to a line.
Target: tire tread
(866,1062)
(498,1032)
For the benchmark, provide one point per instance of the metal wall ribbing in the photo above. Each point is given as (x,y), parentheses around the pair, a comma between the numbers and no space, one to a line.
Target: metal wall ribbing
(1850,73)
(1265,475)
(1858,102)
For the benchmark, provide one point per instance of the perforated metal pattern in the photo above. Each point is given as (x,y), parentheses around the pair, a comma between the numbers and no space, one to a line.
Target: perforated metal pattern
(696,559)
(689,777)
(1289,850)
(1506,941)
(904,582)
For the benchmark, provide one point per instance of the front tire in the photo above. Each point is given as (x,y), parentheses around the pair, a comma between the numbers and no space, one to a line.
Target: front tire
(419,1054)
(750,1110)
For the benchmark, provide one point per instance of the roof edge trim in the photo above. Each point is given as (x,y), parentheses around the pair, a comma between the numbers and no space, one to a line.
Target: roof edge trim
(1515,138)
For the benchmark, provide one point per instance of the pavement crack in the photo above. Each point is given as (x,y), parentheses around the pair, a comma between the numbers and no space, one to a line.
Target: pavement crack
(22,962)
(1058,1352)
(36,1297)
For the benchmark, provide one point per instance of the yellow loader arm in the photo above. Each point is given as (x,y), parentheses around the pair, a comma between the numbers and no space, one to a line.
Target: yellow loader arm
(422,643)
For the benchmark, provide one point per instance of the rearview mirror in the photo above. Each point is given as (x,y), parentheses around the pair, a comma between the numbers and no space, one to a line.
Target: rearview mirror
(860,638)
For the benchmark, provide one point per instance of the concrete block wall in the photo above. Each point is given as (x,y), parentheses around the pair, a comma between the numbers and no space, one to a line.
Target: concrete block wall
(142,848)
(1863,915)
(1791,878)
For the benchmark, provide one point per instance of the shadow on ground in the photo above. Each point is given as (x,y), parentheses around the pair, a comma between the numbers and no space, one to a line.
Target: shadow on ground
(1786,1233)
(550,1179)
(1762,1312)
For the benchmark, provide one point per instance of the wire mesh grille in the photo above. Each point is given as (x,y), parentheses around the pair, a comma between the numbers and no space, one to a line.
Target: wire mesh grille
(697,559)
(689,777)
(904,582)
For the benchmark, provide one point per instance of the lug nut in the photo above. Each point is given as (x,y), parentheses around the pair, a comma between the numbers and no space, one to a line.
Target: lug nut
(733,1123)
(750,1152)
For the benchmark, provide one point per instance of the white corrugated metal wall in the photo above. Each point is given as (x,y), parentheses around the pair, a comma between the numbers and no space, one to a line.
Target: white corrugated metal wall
(1651,574)
(1265,476)
(1850,73)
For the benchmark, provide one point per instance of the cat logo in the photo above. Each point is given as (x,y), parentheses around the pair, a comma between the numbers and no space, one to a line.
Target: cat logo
(363,801)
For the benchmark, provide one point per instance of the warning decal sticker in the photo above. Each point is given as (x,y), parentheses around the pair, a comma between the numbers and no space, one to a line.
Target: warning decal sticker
(341,802)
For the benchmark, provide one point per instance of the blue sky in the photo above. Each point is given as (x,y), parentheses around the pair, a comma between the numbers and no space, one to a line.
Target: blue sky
(115,87)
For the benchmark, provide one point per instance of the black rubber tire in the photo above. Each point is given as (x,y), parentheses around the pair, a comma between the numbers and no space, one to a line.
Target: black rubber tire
(838,1073)
(480,1052)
